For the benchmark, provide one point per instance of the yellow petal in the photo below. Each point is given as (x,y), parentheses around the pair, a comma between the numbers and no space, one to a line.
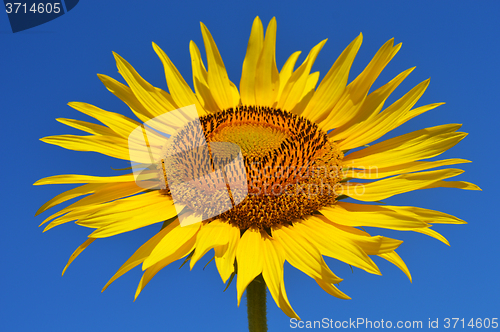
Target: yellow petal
(417,111)
(382,189)
(200,80)
(426,215)
(355,215)
(179,89)
(432,233)
(154,100)
(67,195)
(369,131)
(331,242)
(226,254)
(88,127)
(248,73)
(303,255)
(372,245)
(454,184)
(218,80)
(331,289)
(367,110)
(115,147)
(120,124)
(287,71)
(421,144)
(373,172)
(103,192)
(182,251)
(333,85)
(235,93)
(272,272)
(350,104)
(125,94)
(307,94)
(142,253)
(76,178)
(295,85)
(394,258)
(171,243)
(250,258)
(128,214)
(77,252)
(266,74)
(214,234)
(362,84)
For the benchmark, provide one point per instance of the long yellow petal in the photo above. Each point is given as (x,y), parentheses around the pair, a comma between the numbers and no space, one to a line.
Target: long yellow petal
(434,234)
(181,251)
(351,102)
(287,71)
(303,255)
(250,258)
(453,184)
(296,83)
(141,254)
(415,112)
(421,144)
(355,215)
(426,215)
(333,85)
(248,73)
(128,214)
(373,172)
(200,80)
(331,289)
(331,242)
(360,86)
(368,131)
(272,272)
(266,73)
(367,110)
(120,124)
(115,147)
(88,127)
(226,254)
(155,100)
(372,245)
(307,94)
(103,192)
(218,80)
(394,258)
(67,195)
(125,94)
(171,243)
(179,89)
(76,178)
(214,234)
(77,252)
(382,189)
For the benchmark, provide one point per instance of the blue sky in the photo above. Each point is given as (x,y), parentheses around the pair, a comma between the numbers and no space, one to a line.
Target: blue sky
(43,68)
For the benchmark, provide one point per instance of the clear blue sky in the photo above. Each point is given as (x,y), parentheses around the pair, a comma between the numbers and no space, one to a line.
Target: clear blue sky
(454,43)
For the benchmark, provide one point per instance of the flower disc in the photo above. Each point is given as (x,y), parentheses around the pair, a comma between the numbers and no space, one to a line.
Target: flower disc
(290,166)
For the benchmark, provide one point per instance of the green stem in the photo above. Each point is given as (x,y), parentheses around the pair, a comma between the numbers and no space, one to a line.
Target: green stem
(256,305)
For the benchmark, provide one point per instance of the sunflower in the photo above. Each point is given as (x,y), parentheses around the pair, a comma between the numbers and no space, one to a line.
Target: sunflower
(298,149)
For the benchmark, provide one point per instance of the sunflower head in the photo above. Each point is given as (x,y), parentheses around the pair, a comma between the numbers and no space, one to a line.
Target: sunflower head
(259,174)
